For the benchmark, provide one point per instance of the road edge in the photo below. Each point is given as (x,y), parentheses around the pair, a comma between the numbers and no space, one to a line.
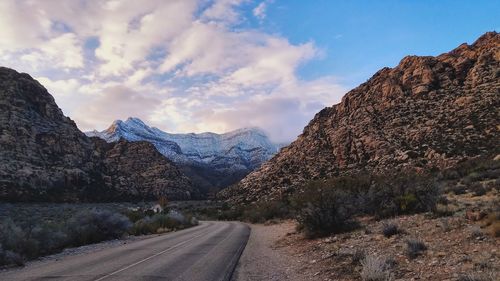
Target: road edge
(236,258)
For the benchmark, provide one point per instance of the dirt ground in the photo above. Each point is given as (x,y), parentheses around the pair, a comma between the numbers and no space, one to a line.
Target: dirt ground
(263,259)
(458,248)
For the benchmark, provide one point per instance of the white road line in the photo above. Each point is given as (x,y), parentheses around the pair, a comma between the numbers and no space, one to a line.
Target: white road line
(148,258)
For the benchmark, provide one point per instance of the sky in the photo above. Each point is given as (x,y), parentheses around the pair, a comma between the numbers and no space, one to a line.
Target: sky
(218,65)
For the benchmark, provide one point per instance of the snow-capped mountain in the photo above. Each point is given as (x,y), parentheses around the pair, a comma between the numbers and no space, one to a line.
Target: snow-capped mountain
(211,160)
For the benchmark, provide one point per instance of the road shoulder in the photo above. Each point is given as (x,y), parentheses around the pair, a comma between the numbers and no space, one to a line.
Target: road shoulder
(263,258)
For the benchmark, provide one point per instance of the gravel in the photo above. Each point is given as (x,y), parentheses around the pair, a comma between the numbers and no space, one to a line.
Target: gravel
(263,260)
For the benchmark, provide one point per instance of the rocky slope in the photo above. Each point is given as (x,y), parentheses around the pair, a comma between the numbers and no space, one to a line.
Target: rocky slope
(138,170)
(427,112)
(44,157)
(212,161)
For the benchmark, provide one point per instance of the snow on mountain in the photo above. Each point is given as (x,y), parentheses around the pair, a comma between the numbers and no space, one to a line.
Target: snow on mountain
(233,154)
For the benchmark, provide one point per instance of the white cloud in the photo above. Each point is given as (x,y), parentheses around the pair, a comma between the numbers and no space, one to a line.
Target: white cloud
(113,103)
(260,11)
(223,11)
(183,65)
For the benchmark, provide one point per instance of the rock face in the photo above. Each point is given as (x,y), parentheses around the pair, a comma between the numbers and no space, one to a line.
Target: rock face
(427,112)
(212,161)
(138,170)
(44,157)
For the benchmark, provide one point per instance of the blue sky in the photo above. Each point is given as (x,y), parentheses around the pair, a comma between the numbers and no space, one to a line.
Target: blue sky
(218,65)
(360,37)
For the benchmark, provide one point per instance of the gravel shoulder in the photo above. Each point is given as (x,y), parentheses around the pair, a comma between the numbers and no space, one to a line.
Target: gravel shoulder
(264,259)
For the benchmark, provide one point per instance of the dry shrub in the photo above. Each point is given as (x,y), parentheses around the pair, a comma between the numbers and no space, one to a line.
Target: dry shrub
(374,269)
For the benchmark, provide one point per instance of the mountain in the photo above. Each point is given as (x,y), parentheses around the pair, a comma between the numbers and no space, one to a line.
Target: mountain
(212,161)
(138,170)
(44,157)
(426,113)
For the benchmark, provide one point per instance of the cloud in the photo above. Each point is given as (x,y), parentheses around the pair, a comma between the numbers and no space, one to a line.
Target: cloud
(113,103)
(182,65)
(223,11)
(260,11)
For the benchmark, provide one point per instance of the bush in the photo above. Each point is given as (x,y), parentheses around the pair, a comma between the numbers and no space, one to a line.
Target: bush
(414,248)
(397,194)
(358,256)
(326,207)
(323,210)
(389,229)
(374,269)
(264,211)
(93,226)
(31,235)
(159,223)
(143,227)
(9,257)
(445,210)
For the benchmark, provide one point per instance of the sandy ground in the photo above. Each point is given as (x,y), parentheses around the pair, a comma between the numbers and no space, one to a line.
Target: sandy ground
(262,259)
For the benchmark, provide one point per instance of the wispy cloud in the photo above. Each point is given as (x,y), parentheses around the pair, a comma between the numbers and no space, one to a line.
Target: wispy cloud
(182,65)
(260,11)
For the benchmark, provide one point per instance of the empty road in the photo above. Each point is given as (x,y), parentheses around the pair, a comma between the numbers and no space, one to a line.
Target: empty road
(206,252)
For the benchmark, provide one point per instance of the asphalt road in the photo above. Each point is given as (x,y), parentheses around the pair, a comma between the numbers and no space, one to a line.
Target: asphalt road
(206,252)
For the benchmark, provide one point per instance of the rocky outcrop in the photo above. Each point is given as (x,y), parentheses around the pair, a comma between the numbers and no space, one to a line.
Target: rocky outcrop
(138,170)
(44,157)
(425,113)
(212,161)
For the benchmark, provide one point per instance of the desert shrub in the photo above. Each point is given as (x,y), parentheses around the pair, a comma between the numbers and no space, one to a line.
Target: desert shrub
(91,226)
(12,237)
(50,238)
(9,257)
(38,239)
(457,189)
(414,248)
(162,222)
(477,189)
(134,215)
(390,228)
(396,194)
(374,269)
(323,210)
(143,227)
(235,213)
(264,211)
(177,217)
(444,210)
(358,256)
(325,207)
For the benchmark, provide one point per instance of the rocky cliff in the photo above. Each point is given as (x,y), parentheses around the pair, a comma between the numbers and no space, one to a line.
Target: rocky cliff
(212,161)
(427,113)
(44,157)
(138,170)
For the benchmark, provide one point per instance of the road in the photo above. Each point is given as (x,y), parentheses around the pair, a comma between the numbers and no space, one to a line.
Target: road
(209,251)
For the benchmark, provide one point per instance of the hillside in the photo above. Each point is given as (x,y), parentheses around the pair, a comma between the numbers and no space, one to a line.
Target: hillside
(44,157)
(425,113)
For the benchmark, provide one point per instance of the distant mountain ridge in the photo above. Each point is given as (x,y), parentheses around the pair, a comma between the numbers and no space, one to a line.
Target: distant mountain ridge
(44,157)
(427,113)
(213,161)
